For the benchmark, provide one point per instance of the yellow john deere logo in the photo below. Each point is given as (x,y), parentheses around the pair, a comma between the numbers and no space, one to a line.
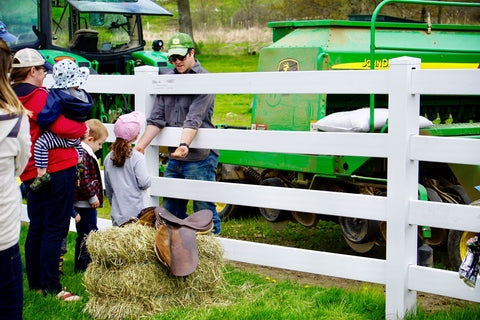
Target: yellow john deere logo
(176,41)
(288,65)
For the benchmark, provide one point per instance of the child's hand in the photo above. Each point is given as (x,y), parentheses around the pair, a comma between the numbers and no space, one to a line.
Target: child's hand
(95,205)
(77,218)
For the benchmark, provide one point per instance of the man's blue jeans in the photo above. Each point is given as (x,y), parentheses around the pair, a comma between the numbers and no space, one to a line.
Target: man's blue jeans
(11,284)
(205,170)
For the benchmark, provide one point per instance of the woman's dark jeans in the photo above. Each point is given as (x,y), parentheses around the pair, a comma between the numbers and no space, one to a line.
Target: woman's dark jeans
(49,210)
(11,284)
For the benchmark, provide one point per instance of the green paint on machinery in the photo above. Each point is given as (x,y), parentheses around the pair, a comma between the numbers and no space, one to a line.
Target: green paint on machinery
(347,45)
(103,35)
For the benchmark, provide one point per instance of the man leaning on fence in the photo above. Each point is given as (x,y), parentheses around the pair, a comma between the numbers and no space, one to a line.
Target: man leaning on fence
(190,112)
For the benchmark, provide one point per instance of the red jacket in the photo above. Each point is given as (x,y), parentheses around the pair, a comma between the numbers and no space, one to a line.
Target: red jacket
(60,158)
(89,187)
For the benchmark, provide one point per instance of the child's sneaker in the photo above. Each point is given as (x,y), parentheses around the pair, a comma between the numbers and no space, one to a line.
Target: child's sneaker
(40,181)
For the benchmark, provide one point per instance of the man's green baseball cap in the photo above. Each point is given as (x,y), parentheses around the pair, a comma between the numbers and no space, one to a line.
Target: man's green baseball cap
(179,44)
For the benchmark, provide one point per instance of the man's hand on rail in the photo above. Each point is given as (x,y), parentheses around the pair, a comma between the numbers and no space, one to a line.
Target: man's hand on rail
(181,152)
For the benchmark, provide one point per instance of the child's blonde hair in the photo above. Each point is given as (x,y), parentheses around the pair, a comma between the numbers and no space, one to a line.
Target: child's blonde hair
(97,129)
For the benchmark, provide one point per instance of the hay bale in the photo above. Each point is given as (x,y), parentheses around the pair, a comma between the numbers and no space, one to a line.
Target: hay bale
(111,308)
(125,278)
(120,246)
(147,280)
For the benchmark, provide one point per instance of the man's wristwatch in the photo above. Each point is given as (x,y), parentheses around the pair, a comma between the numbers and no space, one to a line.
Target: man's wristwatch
(184,144)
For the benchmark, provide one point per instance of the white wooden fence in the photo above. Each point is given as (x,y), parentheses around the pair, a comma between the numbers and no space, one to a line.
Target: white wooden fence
(404,82)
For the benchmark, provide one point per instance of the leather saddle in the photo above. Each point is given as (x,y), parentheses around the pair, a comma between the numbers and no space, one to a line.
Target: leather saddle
(145,217)
(175,240)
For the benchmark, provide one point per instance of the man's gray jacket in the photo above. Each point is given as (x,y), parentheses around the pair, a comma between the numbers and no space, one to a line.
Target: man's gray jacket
(187,111)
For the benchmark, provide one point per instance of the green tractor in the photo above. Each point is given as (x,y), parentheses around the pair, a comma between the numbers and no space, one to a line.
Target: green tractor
(105,36)
(360,44)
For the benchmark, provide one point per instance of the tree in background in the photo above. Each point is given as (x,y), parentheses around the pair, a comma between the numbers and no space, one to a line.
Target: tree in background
(239,14)
(184,18)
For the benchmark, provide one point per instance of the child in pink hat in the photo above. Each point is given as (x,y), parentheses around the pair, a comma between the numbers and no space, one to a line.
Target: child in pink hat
(126,176)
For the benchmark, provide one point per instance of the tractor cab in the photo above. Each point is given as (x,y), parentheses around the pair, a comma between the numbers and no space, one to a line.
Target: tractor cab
(107,33)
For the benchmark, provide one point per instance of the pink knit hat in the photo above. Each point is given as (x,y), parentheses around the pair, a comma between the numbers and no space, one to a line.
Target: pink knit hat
(128,125)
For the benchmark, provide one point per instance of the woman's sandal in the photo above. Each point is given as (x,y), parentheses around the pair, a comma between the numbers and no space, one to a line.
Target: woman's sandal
(67,296)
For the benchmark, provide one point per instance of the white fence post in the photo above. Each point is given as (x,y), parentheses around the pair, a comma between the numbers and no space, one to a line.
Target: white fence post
(144,103)
(402,186)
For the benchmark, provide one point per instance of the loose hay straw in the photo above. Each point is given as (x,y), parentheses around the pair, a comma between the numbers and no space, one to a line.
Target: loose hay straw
(125,278)
(116,247)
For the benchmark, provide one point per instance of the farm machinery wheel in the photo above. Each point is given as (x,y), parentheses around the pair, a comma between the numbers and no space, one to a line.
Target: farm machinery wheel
(438,235)
(274,215)
(360,234)
(456,240)
(359,231)
(306,219)
(457,248)
(226,210)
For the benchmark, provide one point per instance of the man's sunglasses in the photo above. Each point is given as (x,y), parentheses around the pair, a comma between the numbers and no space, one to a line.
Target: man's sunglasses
(176,57)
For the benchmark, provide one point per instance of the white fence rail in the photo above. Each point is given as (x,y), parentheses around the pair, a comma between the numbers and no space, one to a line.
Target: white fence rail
(404,82)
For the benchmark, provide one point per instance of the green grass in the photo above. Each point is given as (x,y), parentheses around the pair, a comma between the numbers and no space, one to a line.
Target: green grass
(246,296)
(232,110)
(227,63)
(104,212)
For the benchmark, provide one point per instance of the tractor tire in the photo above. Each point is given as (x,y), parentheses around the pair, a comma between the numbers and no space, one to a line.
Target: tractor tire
(306,219)
(359,231)
(457,240)
(226,210)
(458,193)
(274,215)
(457,246)
(438,235)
